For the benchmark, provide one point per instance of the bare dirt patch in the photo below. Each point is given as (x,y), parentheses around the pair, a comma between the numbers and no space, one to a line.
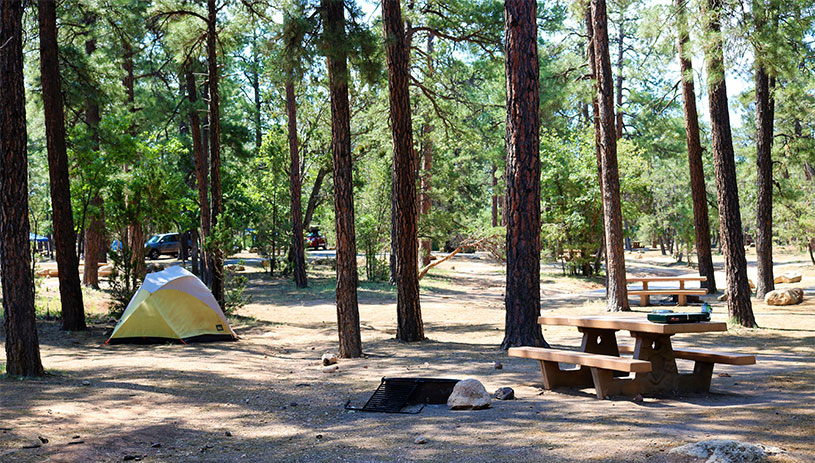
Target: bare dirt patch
(265,397)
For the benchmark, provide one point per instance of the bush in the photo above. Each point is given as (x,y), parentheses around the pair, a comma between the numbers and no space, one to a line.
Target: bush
(124,282)
(235,295)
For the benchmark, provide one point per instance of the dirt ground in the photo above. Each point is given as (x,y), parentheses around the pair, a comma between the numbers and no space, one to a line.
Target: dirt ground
(265,397)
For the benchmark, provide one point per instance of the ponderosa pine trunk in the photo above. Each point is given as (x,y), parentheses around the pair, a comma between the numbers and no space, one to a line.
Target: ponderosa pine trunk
(494,222)
(95,242)
(620,56)
(408,308)
(70,291)
(217,260)
(612,212)
(347,307)
(764,166)
(314,196)
(201,168)
(298,255)
(135,230)
(596,124)
(523,173)
(426,179)
(739,306)
(19,321)
(697,174)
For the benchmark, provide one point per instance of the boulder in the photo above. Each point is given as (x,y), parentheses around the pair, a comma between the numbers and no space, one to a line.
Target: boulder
(469,394)
(788,277)
(784,296)
(722,451)
(151,268)
(105,270)
(329,359)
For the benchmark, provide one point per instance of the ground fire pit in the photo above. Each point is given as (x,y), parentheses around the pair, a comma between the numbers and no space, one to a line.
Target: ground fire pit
(393,394)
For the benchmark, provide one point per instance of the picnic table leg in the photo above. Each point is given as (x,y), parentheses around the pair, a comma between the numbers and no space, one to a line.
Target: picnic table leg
(600,342)
(553,376)
(681,299)
(645,300)
(657,349)
(699,380)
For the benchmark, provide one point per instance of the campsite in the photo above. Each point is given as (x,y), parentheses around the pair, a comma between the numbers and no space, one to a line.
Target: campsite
(422,230)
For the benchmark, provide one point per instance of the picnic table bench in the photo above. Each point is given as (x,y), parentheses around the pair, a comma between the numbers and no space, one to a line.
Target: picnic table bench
(653,362)
(681,293)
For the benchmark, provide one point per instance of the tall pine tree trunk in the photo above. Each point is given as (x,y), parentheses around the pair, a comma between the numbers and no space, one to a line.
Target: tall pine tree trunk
(764,165)
(201,167)
(697,174)
(347,308)
(426,179)
(95,242)
(612,212)
(314,196)
(135,230)
(409,313)
(217,261)
(294,189)
(494,222)
(19,321)
(596,124)
(523,176)
(73,311)
(620,56)
(732,235)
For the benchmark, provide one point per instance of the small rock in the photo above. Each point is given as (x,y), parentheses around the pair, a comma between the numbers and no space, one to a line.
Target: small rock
(75,436)
(724,375)
(129,458)
(723,451)
(42,439)
(637,399)
(331,368)
(498,365)
(420,440)
(788,277)
(157,445)
(227,434)
(86,383)
(319,436)
(504,393)
(293,404)
(329,359)
(469,394)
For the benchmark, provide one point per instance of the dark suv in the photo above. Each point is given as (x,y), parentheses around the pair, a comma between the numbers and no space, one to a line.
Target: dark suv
(167,243)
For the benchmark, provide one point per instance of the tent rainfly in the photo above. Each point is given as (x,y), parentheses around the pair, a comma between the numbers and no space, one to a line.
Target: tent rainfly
(172,304)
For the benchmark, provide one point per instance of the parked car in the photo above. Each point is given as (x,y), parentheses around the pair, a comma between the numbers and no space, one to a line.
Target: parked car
(315,239)
(166,243)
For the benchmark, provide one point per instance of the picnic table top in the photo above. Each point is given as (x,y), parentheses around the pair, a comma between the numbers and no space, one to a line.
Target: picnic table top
(637,279)
(633,323)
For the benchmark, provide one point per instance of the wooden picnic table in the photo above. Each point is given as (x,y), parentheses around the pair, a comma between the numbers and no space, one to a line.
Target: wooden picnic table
(653,362)
(681,294)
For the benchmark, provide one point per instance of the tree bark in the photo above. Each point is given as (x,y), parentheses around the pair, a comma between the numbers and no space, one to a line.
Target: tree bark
(612,212)
(314,196)
(217,260)
(764,166)
(494,198)
(426,179)
(201,167)
(95,243)
(19,321)
(73,311)
(523,172)
(294,189)
(697,174)
(409,313)
(347,308)
(135,231)
(620,55)
(596,122)
(732,235)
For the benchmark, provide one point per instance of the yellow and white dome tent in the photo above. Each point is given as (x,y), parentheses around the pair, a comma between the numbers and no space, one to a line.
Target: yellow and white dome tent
(172,304)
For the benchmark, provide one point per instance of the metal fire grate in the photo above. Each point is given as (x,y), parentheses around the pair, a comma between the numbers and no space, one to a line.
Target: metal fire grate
(393,394)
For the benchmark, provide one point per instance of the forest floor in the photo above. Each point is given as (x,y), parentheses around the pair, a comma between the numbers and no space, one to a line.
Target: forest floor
(266,398)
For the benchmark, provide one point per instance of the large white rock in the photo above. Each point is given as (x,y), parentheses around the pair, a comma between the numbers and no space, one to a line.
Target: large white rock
(469,394)
(788,277)
(788,296)
(723,451)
